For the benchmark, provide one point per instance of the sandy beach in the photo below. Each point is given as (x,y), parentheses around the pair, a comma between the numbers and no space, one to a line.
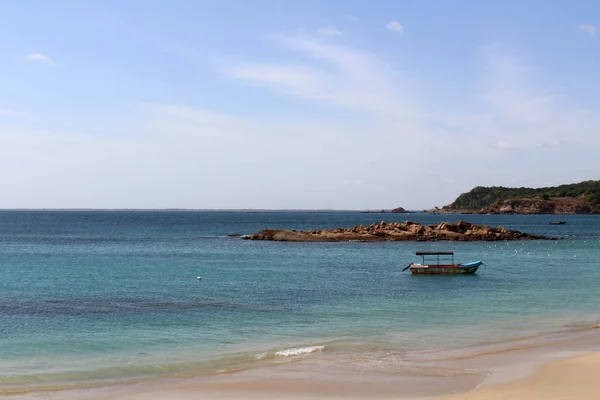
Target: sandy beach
(564,369)
(575,378)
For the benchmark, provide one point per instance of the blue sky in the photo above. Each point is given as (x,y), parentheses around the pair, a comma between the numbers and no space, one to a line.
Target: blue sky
(305,104)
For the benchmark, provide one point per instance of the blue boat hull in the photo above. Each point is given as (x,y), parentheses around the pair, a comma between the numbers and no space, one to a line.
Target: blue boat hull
(452,269)
(470,268)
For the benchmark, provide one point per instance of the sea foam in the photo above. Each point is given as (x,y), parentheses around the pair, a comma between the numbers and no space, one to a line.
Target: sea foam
(297,351)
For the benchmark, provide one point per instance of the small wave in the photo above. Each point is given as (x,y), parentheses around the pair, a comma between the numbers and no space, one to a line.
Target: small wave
(298,351)
(581,325)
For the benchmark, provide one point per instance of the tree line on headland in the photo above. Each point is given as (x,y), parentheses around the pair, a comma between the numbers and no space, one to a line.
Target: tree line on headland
(575,198)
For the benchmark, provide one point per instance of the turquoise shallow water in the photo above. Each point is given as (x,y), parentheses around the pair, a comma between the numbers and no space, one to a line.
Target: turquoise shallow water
(112,295)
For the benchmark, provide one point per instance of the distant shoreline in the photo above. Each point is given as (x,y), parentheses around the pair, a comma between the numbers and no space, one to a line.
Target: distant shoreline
(215,209)
(266,210)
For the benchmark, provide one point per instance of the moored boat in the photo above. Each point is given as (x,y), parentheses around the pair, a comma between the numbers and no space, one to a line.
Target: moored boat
(557,222)
(441,265)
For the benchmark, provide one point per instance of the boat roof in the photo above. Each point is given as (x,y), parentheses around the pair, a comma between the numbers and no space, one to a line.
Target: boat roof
(435,253)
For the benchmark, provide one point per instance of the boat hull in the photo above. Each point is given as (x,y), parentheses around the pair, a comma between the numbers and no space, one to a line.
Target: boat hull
(447,269)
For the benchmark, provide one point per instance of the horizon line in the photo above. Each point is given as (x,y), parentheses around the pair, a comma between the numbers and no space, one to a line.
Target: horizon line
(372,210)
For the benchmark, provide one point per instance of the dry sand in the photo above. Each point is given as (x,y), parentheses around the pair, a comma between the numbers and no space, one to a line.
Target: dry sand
(573,379)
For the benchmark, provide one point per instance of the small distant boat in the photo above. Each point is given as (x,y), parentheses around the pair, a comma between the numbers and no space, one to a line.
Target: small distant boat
(557,222)
(441,266)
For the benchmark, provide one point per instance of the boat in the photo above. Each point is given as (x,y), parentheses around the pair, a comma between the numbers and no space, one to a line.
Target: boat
(441,264)
(557,222)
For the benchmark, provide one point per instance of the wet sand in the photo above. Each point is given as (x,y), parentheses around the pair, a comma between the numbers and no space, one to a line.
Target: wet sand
(562,366)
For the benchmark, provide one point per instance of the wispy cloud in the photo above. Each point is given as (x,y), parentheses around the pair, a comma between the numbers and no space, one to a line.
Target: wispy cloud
(289,78)
(250,145)
(512,113)
(205,119)
(587,28)
(395,26)
(4,111)
(514,108)
(39,58)
(329,31)
(503,145)
(555,144)
(501,122)
(338,75)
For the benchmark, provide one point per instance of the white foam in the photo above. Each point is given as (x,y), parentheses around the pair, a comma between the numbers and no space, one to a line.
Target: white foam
(260,356)
(299,351)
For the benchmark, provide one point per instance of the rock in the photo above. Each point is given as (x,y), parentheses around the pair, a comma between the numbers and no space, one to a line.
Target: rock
(399,210)
(463,226)
(394,231)
(447,226)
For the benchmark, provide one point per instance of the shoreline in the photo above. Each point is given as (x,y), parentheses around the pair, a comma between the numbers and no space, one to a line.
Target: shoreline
(479,373)
(572,378)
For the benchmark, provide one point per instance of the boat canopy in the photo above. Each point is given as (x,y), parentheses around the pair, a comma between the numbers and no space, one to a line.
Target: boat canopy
(436,254)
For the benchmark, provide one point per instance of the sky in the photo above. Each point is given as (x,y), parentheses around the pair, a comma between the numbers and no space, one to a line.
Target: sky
(265,104)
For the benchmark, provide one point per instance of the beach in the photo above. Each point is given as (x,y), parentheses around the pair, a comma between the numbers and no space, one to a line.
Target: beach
(107,305)
(574,378)
(566,367)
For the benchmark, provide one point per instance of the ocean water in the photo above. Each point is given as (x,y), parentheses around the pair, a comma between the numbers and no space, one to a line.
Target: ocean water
(96,297)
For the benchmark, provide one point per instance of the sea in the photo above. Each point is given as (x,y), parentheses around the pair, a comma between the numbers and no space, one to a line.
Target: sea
(107,297)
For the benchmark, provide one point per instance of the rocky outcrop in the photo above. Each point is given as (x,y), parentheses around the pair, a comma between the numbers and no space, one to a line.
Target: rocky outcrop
(396,231)
(399,210)
(577,205)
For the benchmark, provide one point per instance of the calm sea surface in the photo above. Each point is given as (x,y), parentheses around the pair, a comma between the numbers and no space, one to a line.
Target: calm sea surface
(113,295)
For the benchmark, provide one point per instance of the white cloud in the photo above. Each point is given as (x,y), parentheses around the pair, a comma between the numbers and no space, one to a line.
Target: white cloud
(329,31)
(502,145)
(286,77)
(587,28)
(555,144)
(39,58)
(394,26)
(339,75)
(198,117)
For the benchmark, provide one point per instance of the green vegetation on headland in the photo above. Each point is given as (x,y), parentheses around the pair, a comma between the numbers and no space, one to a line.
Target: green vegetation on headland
(576,198)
